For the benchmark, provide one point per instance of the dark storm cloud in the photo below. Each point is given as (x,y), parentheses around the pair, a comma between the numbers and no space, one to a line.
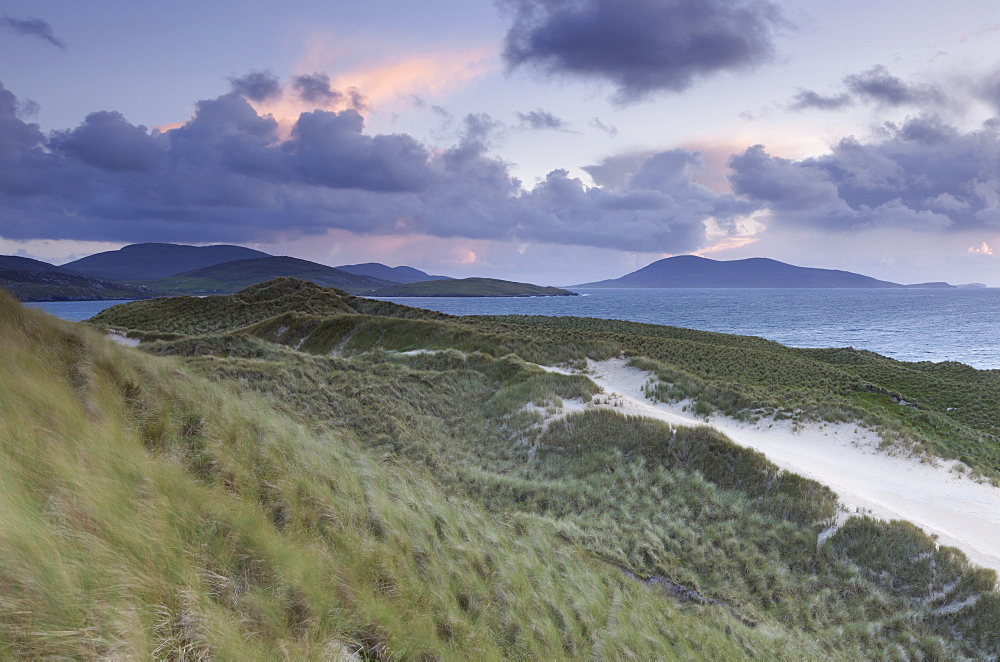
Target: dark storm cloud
(641,46)
(257,86)
(106,140)
(16,137)
(809,99)
(542,119)
(329,149)
(880,86)
(923,174)
(227,175)
(32,27)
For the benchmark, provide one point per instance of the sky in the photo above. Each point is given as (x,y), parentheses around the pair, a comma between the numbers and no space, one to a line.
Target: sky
(546,141)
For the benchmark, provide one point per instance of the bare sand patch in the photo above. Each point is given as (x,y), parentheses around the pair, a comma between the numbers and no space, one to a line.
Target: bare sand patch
(943,502)
(120,338)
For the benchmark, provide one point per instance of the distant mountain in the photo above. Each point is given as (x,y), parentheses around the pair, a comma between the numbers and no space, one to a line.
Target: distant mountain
(938,284)
(694,271)
(239,274)
(470,287)
(18,263)
(391,274)
(150,261)
(34,280)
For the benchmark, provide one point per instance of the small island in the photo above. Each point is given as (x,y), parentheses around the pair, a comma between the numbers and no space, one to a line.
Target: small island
(470,287)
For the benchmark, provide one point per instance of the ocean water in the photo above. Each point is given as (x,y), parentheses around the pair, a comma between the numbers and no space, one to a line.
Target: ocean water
(74,311)
(906,324)
(910,325)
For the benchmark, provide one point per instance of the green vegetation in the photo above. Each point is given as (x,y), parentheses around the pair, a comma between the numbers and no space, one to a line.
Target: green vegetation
(238,274)
(950,409)
(32,280)
(151,260)
(266,480)
(470,287)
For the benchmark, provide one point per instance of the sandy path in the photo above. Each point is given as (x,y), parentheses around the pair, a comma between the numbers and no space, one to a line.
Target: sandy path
(120,338)
(961,512)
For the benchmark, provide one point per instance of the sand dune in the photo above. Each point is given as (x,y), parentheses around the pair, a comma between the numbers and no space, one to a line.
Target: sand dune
(938,497)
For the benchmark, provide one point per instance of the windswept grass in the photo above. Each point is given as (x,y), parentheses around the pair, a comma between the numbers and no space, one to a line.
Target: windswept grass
(947,409)
(432,506)
(219,314)
(683,504)
(148,513)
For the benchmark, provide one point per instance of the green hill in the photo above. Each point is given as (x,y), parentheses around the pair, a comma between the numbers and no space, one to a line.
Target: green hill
(470,287)
(34,280)
(391,274)
(151,261)
(239,274)
(265,481)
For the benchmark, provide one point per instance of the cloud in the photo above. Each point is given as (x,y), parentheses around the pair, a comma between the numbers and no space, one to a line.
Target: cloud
(32,27)
(539,120)
(616,171)
(430,75)
(809,99)
(989,90)
(257,86)
(880,86)
(17,138)
(28,108)
(230,174)
(659,208)
(923,175)
(609,129)
(329,149)
(641,46)
(107,141)
(983,249)
(285,102)
(315,88)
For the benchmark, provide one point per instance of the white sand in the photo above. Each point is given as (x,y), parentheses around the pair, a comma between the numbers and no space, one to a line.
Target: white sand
(936,497)
(552,414)
(120,338)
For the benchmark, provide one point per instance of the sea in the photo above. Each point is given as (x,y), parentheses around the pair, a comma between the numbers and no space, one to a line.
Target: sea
(906,324)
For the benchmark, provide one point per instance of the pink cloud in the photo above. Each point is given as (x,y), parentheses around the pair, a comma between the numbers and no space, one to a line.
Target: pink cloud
(169,126)
(429,74)
(432,74)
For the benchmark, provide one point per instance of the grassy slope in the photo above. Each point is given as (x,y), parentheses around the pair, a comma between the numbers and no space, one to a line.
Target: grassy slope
(149,513)
(239,274)
(61,285)
(684,505)
(469,287)
(955,414)
(154,260)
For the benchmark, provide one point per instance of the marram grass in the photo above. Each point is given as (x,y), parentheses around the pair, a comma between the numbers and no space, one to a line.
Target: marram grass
(280,486)
(148,513)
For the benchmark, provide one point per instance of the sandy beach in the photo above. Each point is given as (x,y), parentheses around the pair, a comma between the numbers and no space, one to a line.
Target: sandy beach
(936,496)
